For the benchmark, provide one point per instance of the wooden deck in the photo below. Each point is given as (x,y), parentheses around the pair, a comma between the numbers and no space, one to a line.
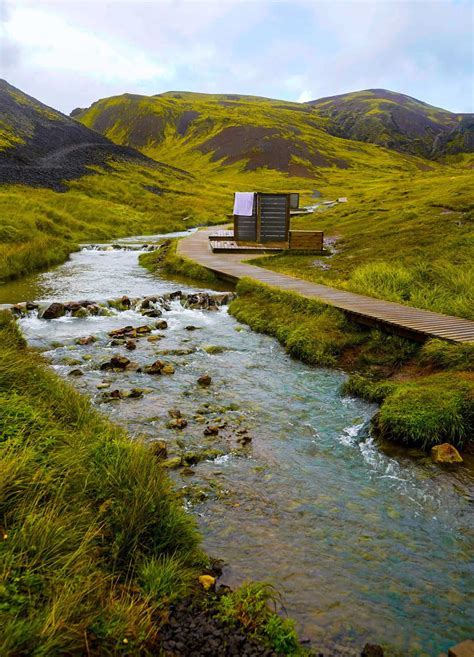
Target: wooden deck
(404,320)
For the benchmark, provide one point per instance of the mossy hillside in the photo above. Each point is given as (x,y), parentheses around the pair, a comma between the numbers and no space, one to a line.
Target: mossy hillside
(208,133)
(409,239)
(390,119)
(420,405)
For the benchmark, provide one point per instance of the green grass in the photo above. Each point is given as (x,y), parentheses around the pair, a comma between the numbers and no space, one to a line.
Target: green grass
(94,540)
(426,392)
(250,608)
(168,262)
(409,239)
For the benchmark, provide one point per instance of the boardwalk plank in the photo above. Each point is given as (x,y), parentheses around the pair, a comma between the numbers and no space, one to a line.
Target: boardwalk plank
(389,313)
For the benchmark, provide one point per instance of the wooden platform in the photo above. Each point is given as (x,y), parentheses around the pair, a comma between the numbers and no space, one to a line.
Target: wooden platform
(404,320)
(222,241)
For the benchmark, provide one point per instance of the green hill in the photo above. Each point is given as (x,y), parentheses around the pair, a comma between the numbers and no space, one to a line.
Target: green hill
(396,121)
(217,131)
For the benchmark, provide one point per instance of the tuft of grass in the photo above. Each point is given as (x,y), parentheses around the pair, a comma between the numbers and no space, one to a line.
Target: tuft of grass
(429,411)
(250,608)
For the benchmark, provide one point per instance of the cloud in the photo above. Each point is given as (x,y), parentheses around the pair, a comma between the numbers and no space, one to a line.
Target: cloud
(71,52)
(305,96)
(55,44)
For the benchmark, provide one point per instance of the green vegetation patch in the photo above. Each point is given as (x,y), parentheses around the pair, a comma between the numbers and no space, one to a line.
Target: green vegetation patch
(429,411)
(420,404)
(94,540)
(167,261)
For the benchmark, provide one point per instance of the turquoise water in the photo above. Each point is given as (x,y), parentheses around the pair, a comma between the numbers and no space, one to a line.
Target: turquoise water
(365,543)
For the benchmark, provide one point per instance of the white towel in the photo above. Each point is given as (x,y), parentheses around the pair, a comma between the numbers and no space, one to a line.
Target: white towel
(243,203)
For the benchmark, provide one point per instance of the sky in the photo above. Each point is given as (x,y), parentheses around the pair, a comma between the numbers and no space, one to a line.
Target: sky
(69,53)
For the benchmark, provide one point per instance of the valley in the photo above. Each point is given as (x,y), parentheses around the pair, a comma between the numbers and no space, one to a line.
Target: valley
(267,430)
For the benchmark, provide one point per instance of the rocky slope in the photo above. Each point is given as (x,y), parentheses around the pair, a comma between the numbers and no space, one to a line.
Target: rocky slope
(396,121)
(41,147)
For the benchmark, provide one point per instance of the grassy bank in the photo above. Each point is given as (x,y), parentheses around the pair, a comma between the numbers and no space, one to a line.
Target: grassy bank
(167,261)
(404,239)
(426,391)
(94,541)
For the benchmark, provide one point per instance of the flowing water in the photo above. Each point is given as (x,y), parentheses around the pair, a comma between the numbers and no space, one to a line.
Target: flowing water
(364,544)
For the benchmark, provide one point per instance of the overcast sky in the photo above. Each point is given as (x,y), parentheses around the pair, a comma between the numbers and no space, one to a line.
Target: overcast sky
(69,53)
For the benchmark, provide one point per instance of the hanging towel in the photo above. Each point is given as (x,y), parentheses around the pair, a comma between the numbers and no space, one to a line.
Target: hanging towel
(243,203)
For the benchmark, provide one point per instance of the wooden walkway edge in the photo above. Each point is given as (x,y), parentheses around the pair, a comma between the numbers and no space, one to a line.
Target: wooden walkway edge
(395,317)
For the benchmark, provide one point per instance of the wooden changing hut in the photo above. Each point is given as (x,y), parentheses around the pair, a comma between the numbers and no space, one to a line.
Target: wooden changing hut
(261,218)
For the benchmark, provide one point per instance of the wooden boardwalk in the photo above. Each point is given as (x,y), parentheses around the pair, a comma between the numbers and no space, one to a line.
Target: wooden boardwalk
(403,320)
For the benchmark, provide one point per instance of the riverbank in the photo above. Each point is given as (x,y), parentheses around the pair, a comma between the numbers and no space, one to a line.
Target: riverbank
(96,544)
(426,391)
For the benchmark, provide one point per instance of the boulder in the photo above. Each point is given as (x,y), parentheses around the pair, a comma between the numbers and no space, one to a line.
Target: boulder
(119,362)
(464,649)
(177,423)
(53,311)
(155,368)
(76,372)
(204,380)
(86,340)
(445,454)
(168,369)
(134,393)
(162,324)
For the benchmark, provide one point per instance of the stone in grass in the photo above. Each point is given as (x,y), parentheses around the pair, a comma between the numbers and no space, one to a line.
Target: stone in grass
(445,454)
(205,380)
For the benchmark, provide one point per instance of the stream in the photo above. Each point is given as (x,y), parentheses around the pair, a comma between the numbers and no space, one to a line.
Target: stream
(365,544)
